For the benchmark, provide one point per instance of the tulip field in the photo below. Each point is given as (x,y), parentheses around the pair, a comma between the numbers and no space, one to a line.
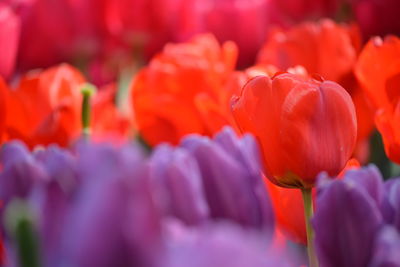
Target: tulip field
(201,133)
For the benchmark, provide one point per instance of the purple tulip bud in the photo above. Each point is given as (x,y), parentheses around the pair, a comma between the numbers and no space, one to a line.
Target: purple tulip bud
(345,222)
(177,184)
(348,218)
(231,179)
(20,172)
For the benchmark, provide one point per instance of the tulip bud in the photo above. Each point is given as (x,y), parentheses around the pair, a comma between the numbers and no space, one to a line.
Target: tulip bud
(304,126)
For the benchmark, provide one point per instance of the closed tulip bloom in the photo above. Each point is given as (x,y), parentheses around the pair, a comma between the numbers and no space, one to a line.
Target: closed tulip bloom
(177,184)
(20,171)
(325,48)
(304,126)
(366,233)
(230,167)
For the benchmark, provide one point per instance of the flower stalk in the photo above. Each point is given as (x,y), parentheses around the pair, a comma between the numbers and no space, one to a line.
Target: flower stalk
(308,213)
(87,91)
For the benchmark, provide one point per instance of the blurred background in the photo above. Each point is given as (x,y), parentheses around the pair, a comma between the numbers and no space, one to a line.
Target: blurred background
(110,40)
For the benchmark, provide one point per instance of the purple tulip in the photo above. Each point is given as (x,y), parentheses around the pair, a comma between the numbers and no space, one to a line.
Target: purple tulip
(177,184)
(20,173)
(232,179)
(112,220)
(99,205)
(354,220)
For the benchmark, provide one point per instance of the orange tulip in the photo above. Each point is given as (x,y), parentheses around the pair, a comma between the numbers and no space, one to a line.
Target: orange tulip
(304,126)
(44,107)
(325,48)
(183,90)
(378,70)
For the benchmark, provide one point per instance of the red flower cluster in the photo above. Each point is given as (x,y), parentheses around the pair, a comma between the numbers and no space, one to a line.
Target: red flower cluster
(45,107)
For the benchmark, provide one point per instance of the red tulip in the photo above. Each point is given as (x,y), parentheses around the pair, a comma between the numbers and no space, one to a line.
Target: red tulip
(44,107)
(328,49)
(304,126)
(378,70)
(9,37)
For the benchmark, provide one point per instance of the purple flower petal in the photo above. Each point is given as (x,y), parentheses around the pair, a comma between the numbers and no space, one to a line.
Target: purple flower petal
(177,184)
(346,222)
(387,248)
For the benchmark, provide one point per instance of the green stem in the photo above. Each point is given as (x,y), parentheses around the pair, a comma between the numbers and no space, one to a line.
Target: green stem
(20,225)
(308,212)
(87,91)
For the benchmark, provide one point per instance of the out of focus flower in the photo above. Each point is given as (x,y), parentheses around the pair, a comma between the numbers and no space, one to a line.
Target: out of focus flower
(108,122)
(100,205)
(47,37)
(388,121)
(376,17)
(128,228)
(362,236)
(304,126)
(147,23)
(378,70)
(44,107)
(178,186)
(9,37)
(182,90)
(214,245)
(324,48)
(230,167)
(201,179)
(228,21)
(289,12)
